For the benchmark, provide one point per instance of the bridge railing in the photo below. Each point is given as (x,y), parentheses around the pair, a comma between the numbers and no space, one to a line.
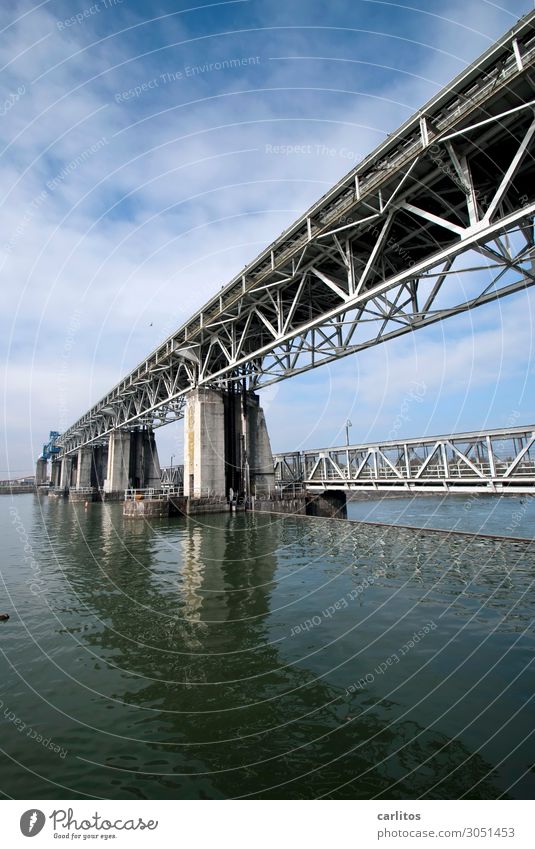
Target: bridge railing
(455,470)
(282,490)
(496,458)
(151,493)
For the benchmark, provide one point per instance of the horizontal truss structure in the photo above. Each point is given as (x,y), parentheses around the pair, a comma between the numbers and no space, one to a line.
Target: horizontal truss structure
(436,221)
(494,461)
(173,476)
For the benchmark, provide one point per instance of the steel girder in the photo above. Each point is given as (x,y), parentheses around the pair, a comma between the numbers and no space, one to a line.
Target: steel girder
(436,221)
(173,476)
(493,461)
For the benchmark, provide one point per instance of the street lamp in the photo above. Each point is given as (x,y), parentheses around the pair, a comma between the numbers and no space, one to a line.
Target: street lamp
(171,470)
(348,425)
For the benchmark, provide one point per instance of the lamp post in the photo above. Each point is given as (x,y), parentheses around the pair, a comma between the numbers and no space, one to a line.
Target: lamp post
(171,470)
(348,425)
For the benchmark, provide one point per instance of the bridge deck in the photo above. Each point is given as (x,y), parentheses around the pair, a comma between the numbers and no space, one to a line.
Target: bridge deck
(494,461)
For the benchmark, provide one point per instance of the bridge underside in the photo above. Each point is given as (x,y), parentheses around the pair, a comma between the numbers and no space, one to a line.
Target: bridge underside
(493,462)
(127,458)
(436,221)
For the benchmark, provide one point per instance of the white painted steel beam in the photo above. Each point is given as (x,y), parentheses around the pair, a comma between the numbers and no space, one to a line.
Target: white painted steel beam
(414,214)
(500,461)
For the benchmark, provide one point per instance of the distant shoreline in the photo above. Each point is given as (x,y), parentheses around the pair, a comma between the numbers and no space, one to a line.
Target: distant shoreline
(17,489)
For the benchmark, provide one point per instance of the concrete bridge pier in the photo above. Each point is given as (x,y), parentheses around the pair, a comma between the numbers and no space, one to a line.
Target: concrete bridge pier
(118,470)
(81,475)
(132,461)
(41,472)
(65,474)
(144,463)
(99,466)
(226,446)
(261,469)
(55,473)
(83,468)
(204,444)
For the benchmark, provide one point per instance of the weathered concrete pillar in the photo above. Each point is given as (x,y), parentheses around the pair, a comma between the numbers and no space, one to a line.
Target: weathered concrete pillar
(204,444)
(55,474)
(65,476)
(117,477)
(144,464)
(236,467)
(41,472)
(260,457)
(137,459)
(74,472)
(83,469)
(99,466)
(153,473)
(226,445)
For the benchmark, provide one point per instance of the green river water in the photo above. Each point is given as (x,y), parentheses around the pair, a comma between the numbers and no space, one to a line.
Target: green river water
(260,656)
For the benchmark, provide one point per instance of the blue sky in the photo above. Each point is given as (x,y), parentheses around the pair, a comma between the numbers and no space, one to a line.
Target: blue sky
(136,181)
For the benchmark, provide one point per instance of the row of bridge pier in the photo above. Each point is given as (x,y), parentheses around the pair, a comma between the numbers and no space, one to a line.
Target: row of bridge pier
(228,464)
(128,459)
(226,450)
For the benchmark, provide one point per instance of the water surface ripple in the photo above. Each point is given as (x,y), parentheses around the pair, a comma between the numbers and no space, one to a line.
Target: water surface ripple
(261,657)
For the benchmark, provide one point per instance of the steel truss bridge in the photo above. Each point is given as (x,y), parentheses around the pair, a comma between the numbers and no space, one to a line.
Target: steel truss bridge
(173,476)
(493,461)
(436,221)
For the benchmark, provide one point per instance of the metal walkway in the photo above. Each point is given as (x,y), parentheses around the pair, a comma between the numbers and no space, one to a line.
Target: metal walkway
(493,461)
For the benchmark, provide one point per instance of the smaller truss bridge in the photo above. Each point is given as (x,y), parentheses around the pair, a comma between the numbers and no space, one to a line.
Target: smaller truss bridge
(493,461)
